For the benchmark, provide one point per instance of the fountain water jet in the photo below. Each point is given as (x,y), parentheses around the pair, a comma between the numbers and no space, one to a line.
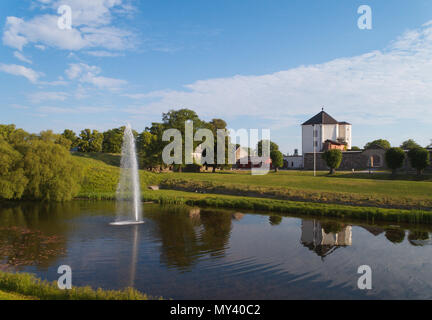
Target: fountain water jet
(128,195)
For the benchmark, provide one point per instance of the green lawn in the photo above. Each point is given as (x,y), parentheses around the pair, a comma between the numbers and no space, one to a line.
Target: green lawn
(361,189)
(341,182)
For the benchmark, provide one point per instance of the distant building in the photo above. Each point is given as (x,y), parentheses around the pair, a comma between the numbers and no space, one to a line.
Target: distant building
(322,130)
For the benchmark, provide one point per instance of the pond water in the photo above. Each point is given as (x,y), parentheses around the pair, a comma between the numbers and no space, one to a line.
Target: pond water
(195,253)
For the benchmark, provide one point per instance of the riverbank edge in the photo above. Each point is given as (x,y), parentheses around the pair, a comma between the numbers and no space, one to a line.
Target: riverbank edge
(367,214)
(26,286)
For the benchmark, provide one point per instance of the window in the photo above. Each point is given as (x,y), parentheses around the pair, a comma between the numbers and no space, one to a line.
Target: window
(316,143)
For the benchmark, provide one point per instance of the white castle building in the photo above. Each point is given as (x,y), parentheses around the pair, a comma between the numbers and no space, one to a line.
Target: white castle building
(322,129)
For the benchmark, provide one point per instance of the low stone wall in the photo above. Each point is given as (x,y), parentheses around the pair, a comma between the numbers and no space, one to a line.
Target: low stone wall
(357,160)
(350,160)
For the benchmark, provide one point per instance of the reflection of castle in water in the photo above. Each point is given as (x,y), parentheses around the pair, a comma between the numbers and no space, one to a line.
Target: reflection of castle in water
(315,237)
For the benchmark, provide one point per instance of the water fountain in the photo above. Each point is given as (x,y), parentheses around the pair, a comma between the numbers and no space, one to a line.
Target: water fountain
(128,195)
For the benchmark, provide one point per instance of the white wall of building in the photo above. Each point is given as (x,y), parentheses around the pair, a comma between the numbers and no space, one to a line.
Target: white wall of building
(294,162)
(324,132)
(345,132)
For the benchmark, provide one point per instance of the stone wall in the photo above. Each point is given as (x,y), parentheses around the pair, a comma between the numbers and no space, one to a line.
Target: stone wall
(350,160)
(357,160)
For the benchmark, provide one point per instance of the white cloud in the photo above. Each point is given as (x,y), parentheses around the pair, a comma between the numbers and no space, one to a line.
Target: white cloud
(104,54)
(389,85)
(48,96)
(90,74)
(78,110)
(18,70)
(21,57)
(91,28)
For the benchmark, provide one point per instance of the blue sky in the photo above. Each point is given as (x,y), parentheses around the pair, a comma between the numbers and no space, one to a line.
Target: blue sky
(256,64)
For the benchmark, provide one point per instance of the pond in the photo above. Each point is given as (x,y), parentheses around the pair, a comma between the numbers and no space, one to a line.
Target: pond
(199,253)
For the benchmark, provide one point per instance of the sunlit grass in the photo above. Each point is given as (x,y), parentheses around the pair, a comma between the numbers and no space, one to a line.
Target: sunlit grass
(27,286)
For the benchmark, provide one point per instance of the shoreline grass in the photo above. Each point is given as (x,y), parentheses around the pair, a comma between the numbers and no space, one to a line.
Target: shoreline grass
(25,286)
(368,214)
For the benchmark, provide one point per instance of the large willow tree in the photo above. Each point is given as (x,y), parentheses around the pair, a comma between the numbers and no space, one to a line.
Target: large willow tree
(36,167)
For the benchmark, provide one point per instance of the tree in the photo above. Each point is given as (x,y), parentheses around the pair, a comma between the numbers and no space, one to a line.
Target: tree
(379,143)
(214,125)
(71,136)
(51,171)
(12,135)
(273,147)
(277,159)
(355,148)
(176,119)
(12,179)
(394,158)
(50,136)
(112,140)
(149,150)
(409,144)
(333,159)
(90,141)
(419,159)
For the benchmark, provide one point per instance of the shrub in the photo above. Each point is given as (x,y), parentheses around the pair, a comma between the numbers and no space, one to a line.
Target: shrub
(333,159)
(419,159)
(394,158)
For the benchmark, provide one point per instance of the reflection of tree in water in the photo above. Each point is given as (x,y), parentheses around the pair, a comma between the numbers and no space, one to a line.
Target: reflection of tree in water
(395,235)
(216,232)
(275,220)
(189,233)
(418,238)
(23,247)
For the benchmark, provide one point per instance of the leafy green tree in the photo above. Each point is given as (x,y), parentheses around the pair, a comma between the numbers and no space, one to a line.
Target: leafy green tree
(273,147)
(419,159)
(175,119)
(355,148)
(214,125)
(71,136)
(51,171)
(333,159)
(112,140)
(12,135)
(149,150)
(394,158)
(12,179)
(90,141)
(277,159)
(380,143)
(409,144)
(50,136)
